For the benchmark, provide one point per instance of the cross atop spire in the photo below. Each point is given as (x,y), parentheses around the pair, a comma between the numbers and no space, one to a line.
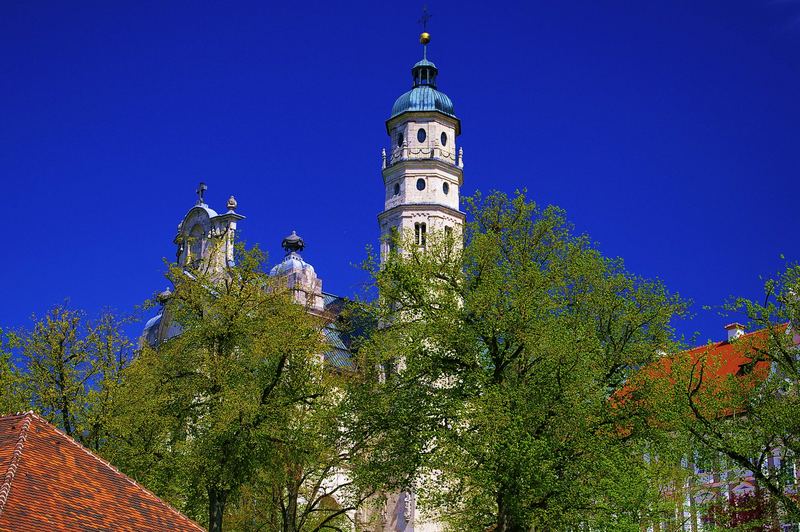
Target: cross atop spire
(201,191)
(423,20)
(424,37)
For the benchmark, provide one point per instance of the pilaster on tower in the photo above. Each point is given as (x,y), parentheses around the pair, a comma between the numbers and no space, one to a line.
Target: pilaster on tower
(422,169)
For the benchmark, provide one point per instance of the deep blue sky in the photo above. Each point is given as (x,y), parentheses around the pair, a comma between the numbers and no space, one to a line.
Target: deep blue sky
(669,131)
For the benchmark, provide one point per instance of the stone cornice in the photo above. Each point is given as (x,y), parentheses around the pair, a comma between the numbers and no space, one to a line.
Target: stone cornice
(423,164)
(423,207)
(402,117)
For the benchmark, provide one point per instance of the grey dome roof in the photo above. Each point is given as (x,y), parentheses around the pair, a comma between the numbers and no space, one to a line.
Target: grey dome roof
(292,262)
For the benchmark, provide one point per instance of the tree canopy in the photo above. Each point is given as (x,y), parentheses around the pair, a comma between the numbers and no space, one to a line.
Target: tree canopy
(496,366)
(522,381)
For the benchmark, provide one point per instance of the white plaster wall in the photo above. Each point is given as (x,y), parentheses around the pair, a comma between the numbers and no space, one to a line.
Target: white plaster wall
(435,176)
(412,148)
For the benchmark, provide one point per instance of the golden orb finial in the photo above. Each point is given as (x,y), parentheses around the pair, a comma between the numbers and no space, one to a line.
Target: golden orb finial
(424,37)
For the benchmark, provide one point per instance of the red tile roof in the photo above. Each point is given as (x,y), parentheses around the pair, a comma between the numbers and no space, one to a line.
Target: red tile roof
(730,358)
(718,360)
(51,482)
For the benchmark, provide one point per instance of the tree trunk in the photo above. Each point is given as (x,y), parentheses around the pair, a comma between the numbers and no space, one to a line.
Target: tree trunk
(290,523)
(65,410)
(506,522)
(216,508)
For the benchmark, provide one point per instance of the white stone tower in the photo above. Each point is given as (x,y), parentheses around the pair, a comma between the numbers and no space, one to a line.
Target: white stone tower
(422,177)
(423,171)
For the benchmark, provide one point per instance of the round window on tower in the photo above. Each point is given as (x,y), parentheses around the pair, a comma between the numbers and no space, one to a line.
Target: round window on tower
(420,184)
(397,189)
(446,188)
(421,135)
(444,138)
(399,139)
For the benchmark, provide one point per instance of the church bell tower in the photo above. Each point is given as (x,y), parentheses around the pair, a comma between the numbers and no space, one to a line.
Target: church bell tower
(423,169)
(422,177)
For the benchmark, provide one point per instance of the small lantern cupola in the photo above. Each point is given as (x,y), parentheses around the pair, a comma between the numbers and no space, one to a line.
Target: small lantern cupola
(424,72)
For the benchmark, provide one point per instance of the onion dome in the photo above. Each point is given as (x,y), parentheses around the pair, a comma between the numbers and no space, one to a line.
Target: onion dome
(424,96)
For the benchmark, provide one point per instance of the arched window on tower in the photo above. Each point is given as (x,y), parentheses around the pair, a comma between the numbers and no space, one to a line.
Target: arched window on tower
(420,230)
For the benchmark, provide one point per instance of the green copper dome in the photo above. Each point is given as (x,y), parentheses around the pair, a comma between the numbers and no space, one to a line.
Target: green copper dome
(424,96)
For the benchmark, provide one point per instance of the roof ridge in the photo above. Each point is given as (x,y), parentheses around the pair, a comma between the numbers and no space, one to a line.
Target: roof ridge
(5,489)
(726,341)
(110,466)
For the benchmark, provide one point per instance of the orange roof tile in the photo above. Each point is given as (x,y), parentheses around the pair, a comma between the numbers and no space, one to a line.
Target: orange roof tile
(51,482)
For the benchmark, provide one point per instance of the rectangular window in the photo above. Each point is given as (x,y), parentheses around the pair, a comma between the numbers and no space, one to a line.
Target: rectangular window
(420,229)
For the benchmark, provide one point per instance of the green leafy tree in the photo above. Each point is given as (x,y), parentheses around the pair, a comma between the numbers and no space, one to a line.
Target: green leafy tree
(59,367)
(64,367)
(215,409)
(13,397)
(493,376)
(307,487)
(110,352)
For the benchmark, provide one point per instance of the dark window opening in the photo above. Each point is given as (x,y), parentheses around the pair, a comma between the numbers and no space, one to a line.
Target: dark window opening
(420,230)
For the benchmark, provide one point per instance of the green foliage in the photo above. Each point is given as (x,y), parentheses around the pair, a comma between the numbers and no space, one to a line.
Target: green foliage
(509,355)
(237,407)
(13,397)
(65,367)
